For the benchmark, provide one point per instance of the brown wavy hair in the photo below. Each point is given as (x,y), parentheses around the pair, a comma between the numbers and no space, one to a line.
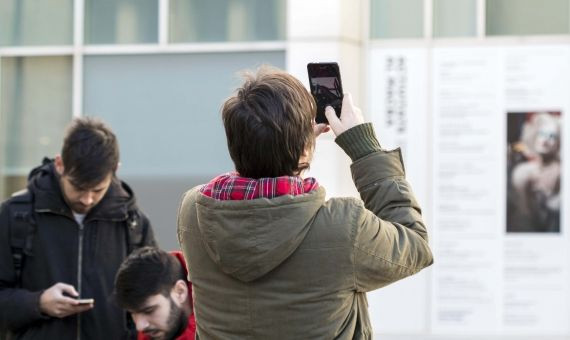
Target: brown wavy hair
(269,124)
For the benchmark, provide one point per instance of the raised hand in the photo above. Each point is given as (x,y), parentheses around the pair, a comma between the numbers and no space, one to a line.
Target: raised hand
(350,116)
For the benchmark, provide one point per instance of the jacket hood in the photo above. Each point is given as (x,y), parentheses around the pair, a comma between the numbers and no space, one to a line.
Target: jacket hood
(248,239)
(43,183)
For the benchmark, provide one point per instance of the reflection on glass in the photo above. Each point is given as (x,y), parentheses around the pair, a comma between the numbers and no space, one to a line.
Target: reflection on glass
(121,21)
(454,18)
(35,106)
(396,19)
(176,97)
(33,22)
(227,20)
(527,17)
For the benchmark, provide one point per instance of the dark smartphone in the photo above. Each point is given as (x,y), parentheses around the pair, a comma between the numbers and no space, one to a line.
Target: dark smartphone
(326,88)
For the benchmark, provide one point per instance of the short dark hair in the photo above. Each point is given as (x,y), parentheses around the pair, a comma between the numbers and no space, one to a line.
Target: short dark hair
(146,272)
(269,124)
(90,151)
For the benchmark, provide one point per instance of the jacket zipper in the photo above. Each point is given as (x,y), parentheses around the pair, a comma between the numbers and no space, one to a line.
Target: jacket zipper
(79,272)
(79,256)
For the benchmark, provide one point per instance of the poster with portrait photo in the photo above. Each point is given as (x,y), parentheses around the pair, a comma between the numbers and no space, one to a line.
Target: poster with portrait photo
(533,172)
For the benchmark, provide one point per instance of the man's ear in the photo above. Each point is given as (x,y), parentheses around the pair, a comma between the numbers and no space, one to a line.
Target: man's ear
(59,165)
(305,160)
(180,291)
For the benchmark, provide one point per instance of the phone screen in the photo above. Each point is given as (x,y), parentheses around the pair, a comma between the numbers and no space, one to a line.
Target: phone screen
(326,88)
(85,301)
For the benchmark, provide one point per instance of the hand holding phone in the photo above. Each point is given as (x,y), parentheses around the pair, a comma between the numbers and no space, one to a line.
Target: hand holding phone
(351,116)
(60,301)
(326,88)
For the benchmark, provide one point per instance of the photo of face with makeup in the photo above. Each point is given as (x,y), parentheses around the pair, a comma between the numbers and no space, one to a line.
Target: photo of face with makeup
(533,172)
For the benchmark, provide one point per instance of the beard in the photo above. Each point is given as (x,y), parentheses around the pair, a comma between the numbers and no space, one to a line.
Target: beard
(79,208)
(176,323)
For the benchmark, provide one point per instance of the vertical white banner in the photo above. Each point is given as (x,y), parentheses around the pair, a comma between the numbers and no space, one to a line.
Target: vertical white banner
(398,104)
(536,289)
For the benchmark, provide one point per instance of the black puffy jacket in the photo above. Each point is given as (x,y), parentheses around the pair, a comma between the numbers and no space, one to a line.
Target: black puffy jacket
(62,251)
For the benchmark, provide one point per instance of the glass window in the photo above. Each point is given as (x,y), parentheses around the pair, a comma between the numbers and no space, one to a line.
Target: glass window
(396,19)
(454,18)
(527,17)
(32,22)
(167,107)
(35,106)
(227,20)
(121,21)
(165,110)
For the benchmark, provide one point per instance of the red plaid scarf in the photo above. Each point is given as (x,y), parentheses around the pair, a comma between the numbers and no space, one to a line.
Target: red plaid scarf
(232,187)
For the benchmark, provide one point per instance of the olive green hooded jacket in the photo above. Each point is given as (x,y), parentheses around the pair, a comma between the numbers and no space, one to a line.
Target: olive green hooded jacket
(299,267)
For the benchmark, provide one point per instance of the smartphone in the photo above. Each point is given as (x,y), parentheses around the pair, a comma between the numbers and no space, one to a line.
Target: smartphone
(326,88)
(86,301)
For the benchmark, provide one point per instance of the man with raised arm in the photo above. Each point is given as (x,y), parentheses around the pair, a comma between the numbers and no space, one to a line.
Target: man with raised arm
(271,257)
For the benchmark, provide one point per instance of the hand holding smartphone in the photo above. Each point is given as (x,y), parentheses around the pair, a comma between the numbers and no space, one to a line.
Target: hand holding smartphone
(326,88)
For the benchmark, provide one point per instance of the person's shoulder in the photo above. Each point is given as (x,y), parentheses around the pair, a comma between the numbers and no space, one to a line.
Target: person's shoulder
(190,197)
(18,201)
(192,194)
(344,202)
(341,210)
(22,196)
(335,222)
(524,171)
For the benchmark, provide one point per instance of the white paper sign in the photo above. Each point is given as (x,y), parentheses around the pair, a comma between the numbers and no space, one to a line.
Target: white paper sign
(499,199)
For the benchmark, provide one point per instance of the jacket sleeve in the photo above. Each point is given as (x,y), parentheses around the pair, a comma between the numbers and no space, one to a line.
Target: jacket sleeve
(390,237)
(18,307)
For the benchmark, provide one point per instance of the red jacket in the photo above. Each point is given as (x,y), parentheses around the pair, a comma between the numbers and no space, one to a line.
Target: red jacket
(190,331)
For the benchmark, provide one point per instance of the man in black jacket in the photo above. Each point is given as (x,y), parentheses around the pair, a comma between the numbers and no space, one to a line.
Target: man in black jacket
(64,238)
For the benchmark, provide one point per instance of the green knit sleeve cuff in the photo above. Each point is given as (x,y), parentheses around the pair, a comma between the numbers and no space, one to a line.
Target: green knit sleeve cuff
(359,141)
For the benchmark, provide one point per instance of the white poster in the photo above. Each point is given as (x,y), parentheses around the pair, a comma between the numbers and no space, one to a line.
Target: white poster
(499,199)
